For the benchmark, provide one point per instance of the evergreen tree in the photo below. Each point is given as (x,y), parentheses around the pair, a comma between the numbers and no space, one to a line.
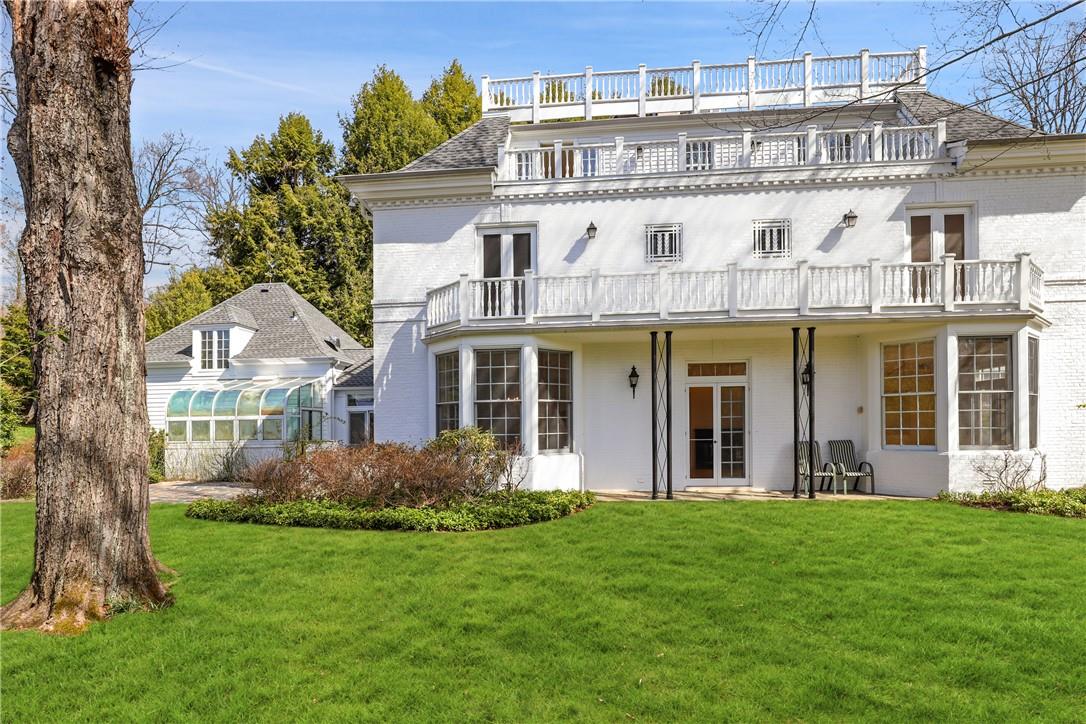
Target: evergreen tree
(386,128)
(452,100)
(180,300)
(295,225)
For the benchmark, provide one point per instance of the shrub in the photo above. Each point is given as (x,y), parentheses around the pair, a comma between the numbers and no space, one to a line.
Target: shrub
(1009,471)
(156,453)
(1069,503)
(17,472)
(11,402)
(452,468)
(489,511)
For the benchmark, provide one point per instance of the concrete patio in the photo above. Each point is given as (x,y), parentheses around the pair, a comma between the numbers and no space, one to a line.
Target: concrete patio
(736,493)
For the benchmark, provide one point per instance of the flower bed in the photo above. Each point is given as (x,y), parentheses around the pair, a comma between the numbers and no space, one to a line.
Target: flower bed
(1068,503)
(489,511)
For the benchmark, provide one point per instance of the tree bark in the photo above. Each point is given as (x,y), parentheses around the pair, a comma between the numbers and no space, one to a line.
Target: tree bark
(83,261)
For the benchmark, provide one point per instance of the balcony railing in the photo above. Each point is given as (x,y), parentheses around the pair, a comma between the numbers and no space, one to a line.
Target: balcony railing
(682,154)
(754,84)
(674,293)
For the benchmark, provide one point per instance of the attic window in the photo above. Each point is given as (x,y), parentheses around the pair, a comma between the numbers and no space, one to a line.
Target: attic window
(214,349)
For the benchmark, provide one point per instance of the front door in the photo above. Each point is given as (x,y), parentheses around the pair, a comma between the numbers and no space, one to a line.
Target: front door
(717,433)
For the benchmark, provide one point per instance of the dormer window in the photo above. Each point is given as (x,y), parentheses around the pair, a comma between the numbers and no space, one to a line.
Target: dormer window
(214,349)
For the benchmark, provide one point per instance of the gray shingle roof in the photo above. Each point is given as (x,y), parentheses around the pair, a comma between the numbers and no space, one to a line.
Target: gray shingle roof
(961,122)
(360,375)
(475,146)
(285,325)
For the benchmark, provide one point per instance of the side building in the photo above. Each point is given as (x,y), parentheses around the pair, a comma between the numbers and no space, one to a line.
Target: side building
(252,376)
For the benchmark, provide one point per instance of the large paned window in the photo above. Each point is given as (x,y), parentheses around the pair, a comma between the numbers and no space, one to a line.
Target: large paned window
(1034,387)
(448,391)
(497,393)
(985,392)
(555,399)
(908,394)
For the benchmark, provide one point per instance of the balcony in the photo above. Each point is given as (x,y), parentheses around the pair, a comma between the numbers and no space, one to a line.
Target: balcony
(813,147)
(694,88)
(734,293)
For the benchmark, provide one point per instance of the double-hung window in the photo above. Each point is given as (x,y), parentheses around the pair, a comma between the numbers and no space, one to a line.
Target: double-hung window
(985,392)
(663,242)
(555,399)
(1034,387)
(497,393)
(448,391)
(214,349)
(908,394)
(773,238)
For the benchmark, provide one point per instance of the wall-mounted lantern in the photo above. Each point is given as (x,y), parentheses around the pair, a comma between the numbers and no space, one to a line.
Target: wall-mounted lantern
(849,219)
(591,231)
(805,375)
(634,377)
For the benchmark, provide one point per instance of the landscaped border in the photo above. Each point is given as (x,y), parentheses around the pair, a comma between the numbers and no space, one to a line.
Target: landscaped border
(495,510)
(1066,503)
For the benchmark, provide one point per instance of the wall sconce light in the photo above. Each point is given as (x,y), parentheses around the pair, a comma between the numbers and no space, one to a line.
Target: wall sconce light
(849,219)
(634,377)
(591,231)
(805,375)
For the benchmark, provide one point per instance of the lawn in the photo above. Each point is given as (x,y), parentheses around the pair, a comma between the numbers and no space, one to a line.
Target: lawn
(628,611)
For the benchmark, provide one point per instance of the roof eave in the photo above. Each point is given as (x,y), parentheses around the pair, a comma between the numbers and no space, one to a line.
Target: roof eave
(397,185)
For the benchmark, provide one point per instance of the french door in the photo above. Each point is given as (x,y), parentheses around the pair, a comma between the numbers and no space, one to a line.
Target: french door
(505,258)
(717,433)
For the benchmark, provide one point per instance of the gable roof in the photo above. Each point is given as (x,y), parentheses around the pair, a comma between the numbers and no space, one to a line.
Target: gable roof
(962,122)
(284,325)
(474,147)
(360,375)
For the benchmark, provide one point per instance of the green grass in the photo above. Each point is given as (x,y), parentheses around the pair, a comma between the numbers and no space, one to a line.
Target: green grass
(655,612)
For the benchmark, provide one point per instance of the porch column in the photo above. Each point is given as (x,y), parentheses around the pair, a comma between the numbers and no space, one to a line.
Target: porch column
(803,402)
(660,401)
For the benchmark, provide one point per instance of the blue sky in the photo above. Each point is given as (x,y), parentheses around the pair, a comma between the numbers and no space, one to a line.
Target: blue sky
(243,64)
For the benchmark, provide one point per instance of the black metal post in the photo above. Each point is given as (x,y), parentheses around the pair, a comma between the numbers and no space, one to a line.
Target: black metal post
(652,412)
(667,384)
(811,437)
(795,412)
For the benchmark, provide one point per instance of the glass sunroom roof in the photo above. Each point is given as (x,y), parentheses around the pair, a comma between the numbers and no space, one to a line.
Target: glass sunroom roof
(243,398)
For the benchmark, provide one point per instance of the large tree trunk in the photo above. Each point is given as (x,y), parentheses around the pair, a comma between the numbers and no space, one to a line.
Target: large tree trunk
(84,284)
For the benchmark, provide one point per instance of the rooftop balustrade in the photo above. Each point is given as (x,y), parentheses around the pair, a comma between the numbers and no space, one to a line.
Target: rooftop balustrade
(683,154)
(675,293)
(755,84)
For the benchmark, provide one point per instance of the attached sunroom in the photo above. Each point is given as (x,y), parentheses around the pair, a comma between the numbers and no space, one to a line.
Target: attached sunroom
(247,412)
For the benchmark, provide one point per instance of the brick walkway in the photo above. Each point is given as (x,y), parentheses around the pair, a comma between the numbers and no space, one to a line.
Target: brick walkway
(183,491)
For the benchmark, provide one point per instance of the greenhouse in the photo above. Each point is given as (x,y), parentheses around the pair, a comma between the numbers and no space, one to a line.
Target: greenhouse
(247,410)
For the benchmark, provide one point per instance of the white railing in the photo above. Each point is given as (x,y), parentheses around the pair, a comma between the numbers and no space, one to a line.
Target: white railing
(685,154)
(984,281)
(913,283)
(840,286)
(497,298)
(674,293)
(806,81)
(562,296)
(443,305)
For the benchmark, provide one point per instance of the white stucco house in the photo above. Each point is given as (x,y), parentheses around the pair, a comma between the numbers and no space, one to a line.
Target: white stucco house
(257,373)
(609,266)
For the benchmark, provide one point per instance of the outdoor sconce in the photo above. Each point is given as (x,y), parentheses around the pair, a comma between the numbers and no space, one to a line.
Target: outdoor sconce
(805,376)
(849,219)
(591,231)
(634,377)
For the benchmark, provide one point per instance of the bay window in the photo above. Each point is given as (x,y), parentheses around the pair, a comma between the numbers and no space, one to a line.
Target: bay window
(985,392)
(555,399)
(497,393)
(908,394)
(448,391)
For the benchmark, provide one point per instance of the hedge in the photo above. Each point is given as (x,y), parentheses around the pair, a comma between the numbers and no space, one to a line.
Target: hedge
(1067,503)
(494,510)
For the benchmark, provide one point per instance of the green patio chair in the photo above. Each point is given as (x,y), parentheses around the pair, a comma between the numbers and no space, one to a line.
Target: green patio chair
(822,472)
(843,457)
